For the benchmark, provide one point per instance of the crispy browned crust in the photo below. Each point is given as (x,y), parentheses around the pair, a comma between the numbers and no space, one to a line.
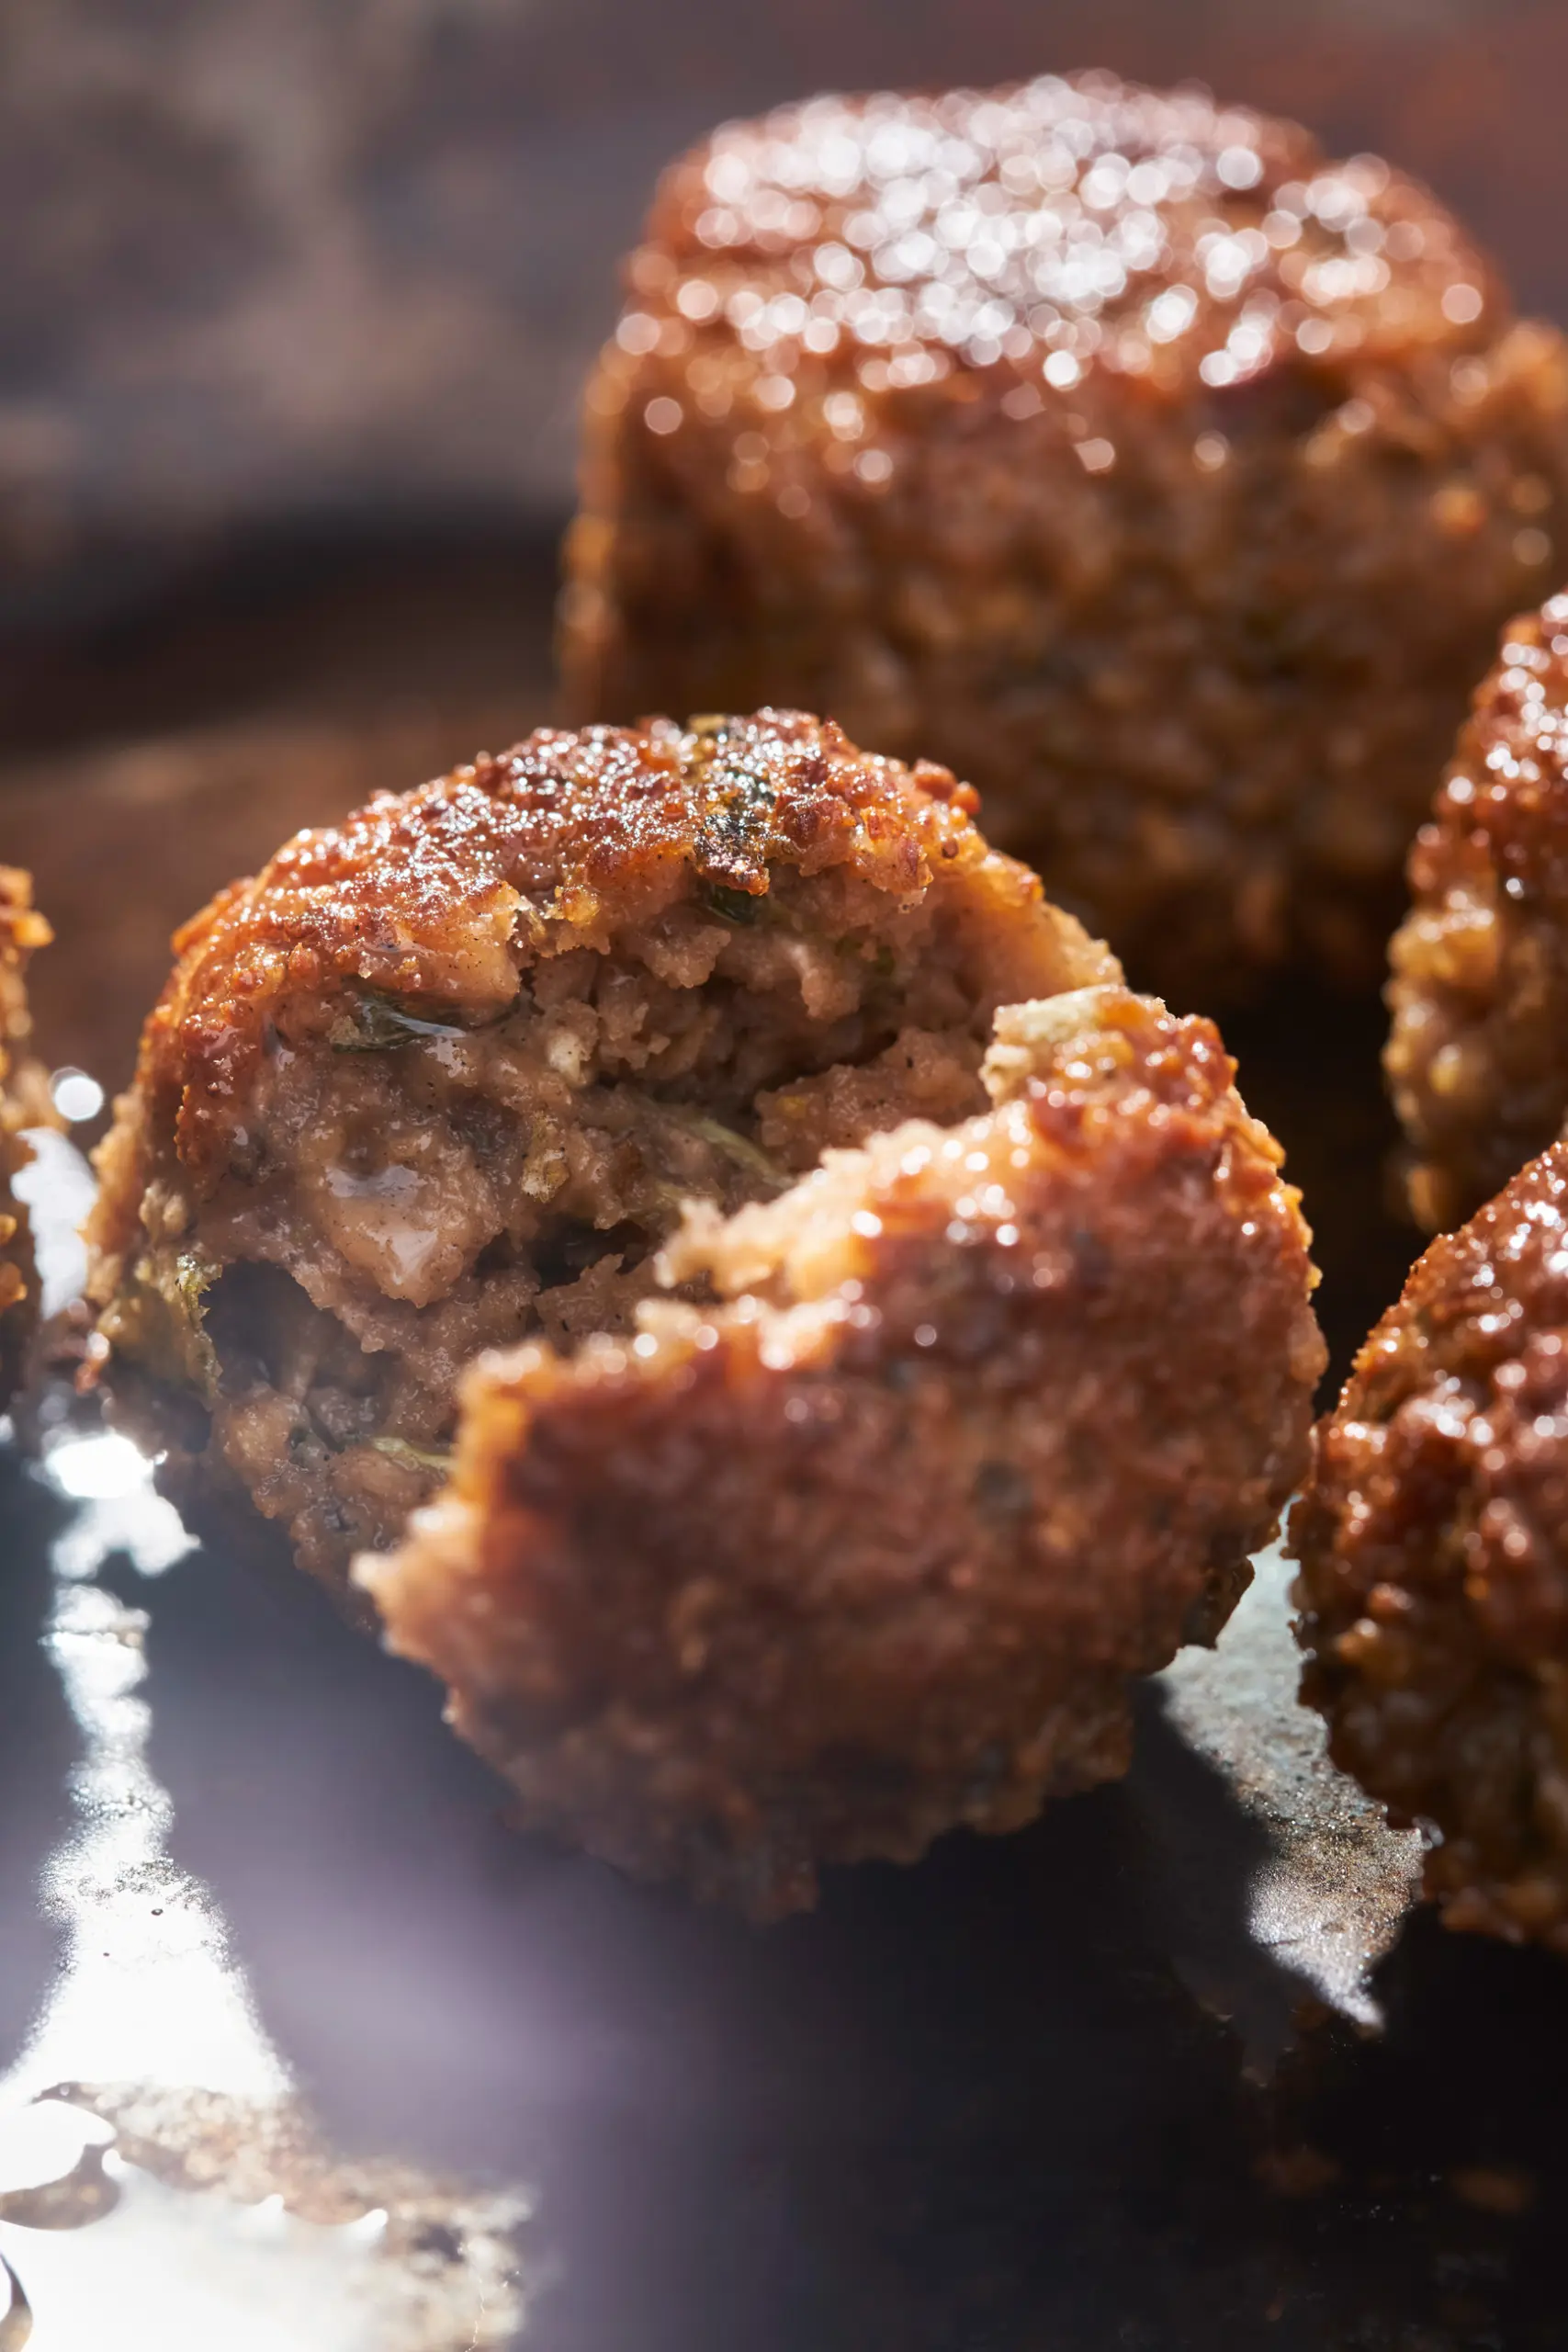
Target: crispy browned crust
(1104,444)
(445,894)
(1433,1539)
(410,1001)
(1478,1055)
(990,1421)
(24,1103)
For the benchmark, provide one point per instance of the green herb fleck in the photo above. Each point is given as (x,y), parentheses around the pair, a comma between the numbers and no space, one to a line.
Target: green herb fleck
(413,1457)
(733,906)
(739,1147)
(159,1319)
(376,1023)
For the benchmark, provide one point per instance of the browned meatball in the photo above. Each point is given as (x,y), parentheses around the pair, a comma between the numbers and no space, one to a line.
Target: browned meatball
(1433,1539)
(443,1077)
(24,1103)
(984,1420)
(1165,478)
(1478,1056)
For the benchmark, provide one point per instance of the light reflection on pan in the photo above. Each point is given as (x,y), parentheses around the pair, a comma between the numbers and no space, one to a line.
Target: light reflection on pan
(161,2185)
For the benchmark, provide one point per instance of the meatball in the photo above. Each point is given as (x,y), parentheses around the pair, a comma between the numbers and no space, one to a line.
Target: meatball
(980,1420)
(24,1103)
(1433,1543)
(1478,1055)
(1165,478)
(443,1077)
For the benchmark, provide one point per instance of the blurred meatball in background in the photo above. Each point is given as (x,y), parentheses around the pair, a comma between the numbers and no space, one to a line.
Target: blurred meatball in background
(1118,446)
(1478,1055)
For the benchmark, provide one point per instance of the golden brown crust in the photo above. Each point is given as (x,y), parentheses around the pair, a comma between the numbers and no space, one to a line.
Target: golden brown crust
(1433,1539)
(1478,1055)
(988,1421)
(1105,444)
(441,1076)
(24,1103)
(445,894)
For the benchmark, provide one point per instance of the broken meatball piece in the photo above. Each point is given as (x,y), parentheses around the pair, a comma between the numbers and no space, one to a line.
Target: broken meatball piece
(1433,1543)
(1478,1055)
(445,1077)
(979,1421)
(1166,479)
(24,1103)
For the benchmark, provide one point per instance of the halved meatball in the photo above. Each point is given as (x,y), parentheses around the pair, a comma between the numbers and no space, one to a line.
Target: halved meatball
(1166,477)
(1478,1055)
(1433,1543)
(983,1419)
(24,1103)
(443,1077)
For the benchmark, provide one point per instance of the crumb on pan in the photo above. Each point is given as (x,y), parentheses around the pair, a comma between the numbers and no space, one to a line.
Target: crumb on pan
(1163,476)
(1433,1543)
(980,1421)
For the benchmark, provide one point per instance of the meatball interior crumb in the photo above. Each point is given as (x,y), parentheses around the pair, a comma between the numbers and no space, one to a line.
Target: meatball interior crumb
(1164,476)
(1433,1543)
(443,1077)
(24,1103)
(1478,1054)
(979,1421)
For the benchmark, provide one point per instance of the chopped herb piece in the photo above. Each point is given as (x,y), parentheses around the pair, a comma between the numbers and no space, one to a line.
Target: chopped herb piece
(375,1024)
(733,906)
(413,1457)
(735,1146)
(160,1316)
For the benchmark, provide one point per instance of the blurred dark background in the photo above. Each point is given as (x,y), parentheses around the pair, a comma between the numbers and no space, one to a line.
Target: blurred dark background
(296,302)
